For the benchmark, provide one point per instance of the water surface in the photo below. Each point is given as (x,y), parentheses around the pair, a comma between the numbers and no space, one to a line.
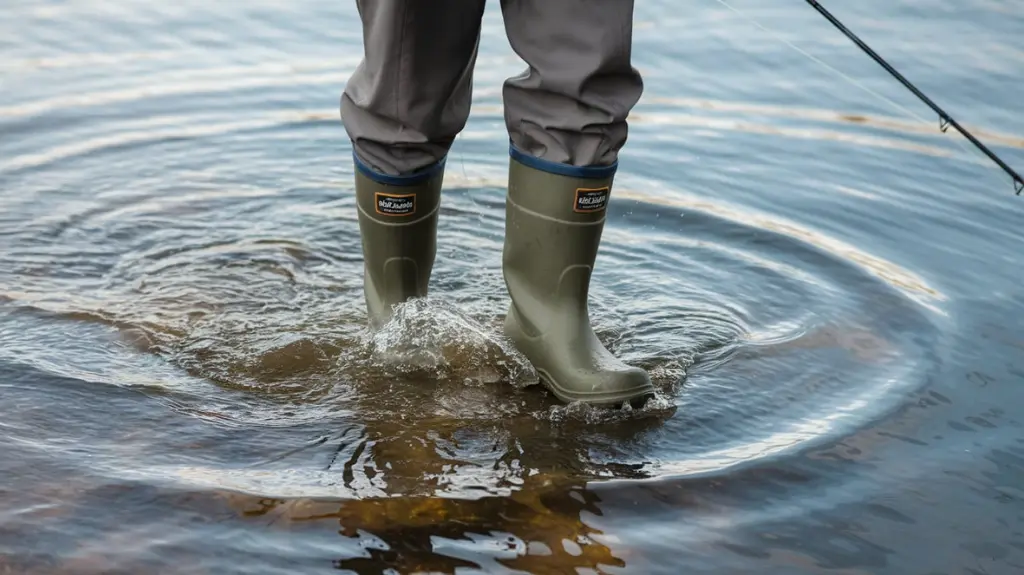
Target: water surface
(826,290)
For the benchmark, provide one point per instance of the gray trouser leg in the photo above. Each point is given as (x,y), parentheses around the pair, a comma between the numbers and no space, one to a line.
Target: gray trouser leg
(410,96)
(570,105)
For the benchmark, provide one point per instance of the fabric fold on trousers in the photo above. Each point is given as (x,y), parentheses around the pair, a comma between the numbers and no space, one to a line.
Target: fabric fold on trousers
(411,95)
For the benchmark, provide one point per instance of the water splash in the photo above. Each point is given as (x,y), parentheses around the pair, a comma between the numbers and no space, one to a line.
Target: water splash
(433,337)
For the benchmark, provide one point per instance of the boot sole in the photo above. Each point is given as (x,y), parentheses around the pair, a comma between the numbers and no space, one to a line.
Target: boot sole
(637,396)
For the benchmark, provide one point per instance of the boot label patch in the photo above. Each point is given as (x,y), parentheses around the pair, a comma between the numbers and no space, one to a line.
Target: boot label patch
(395,205)
(591,200)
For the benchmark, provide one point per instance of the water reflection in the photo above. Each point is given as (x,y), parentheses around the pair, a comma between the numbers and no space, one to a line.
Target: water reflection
(535,531)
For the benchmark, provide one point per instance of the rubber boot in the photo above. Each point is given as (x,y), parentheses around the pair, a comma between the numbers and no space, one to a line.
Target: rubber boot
(398,226)
(553,226)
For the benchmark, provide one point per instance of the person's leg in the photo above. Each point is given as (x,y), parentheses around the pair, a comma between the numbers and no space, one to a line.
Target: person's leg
(402,108)
(566,117)
(570,105)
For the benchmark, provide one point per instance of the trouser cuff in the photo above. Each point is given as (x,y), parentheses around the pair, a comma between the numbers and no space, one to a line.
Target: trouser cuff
(568,170)
(410,179)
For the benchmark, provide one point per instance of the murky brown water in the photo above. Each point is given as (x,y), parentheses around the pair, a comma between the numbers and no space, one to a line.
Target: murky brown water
(825,294)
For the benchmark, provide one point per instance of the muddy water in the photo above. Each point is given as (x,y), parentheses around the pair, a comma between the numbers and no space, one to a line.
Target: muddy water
(826,290)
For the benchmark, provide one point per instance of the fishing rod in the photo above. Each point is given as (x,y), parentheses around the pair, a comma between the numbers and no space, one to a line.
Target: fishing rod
(945,120)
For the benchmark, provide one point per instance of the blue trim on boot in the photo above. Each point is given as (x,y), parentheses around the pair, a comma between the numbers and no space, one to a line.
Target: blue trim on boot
(411,179)
(587,172)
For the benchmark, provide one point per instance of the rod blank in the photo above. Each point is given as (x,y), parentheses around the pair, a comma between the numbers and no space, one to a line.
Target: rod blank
(945,120)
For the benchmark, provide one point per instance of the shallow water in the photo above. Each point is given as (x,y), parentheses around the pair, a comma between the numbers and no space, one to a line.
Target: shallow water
(826,290)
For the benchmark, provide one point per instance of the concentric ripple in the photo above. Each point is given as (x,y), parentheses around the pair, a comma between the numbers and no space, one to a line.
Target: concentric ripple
(762,335)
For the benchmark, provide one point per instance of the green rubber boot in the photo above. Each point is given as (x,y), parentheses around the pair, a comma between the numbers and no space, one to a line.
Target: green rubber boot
(553,226)
(398,226)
